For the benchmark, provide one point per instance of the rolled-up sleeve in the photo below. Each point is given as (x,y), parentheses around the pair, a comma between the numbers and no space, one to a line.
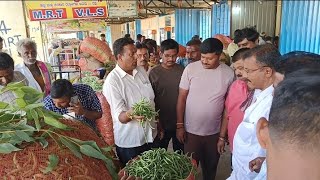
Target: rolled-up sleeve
(114,98)
(95,104)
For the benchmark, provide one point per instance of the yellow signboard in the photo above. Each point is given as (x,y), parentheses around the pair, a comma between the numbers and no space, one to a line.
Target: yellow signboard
(68,9)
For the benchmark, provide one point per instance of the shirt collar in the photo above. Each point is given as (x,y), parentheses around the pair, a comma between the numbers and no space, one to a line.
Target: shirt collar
(122,73)
(265,92)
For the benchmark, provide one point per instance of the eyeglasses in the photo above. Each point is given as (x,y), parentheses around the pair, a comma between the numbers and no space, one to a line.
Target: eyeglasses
(248,71)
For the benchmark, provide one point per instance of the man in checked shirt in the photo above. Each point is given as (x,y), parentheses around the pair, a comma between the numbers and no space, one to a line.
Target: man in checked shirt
(79,99)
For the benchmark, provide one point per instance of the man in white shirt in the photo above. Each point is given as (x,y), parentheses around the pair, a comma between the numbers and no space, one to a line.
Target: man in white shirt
(126,85)
(259,70)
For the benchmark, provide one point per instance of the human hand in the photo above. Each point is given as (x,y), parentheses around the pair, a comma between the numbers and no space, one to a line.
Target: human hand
(130,115)
(255,165)
(77,109)
(220,146)
(124,176)
(181,135)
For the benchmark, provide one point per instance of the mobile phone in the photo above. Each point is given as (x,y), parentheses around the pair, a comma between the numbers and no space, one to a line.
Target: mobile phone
(74,100)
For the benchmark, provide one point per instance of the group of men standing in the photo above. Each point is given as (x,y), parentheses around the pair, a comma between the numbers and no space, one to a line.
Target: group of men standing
(199,104)
(190,100)
(202,103)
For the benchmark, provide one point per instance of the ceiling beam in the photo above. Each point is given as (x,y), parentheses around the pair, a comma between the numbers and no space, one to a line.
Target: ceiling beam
(157,7)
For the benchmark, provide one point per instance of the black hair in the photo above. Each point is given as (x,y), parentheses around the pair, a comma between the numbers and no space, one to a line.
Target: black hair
(6,61)
(119,44)
(127,36)
(139,36)
(239,54)
(169,44)
(1,39)
(102,35)
(268,38)
(194,42)
(141,46)
(211,45)
(295,111)
(266,54)
(61,88)
(249,33)
(296,60)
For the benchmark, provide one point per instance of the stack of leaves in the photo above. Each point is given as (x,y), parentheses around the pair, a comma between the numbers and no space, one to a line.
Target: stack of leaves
(26,122)
(92,81)
(161,164)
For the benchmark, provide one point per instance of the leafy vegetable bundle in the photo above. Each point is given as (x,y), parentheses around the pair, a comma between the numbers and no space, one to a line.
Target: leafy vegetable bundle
(92,81)
(145,109)
(158,164)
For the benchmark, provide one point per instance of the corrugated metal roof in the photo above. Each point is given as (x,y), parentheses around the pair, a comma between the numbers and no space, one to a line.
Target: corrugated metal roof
(300,26)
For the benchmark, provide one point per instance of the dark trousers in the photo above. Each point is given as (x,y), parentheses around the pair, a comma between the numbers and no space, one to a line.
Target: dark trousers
(204,150)
(164,142)
(126,154)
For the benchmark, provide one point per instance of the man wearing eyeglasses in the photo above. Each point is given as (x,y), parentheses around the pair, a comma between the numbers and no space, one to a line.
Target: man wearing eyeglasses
(165,80)
(259,71)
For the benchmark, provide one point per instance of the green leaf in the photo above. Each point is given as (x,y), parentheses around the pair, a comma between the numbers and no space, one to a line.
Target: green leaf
(53,162)
(43,142)
(92,144)
(13,86)
(107,149)
(21,103)
(51,113)
(73,148)
(7,117)
(111,168)
(19,93)
(33,106)
(3,105)
(24,136)
(92,152)
(54,122)
(35,117)
(7,148)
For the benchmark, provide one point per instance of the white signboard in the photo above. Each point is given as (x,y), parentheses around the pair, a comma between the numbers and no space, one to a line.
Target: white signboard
(118,8)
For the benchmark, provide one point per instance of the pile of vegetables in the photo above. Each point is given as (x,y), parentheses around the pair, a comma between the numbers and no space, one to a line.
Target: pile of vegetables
(92,81)
(25,122)
(158,164)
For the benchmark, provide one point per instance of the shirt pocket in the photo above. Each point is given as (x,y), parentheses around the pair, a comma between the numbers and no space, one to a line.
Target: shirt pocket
(246,133)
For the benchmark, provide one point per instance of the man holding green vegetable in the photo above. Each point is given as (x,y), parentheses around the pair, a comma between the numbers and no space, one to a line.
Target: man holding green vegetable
(126,85)
(202,92)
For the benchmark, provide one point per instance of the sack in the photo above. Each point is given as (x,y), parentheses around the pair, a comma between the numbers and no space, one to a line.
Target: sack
(105,123)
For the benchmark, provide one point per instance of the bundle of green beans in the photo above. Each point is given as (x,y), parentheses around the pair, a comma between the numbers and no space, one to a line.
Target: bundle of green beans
(144,108)
(158,164)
